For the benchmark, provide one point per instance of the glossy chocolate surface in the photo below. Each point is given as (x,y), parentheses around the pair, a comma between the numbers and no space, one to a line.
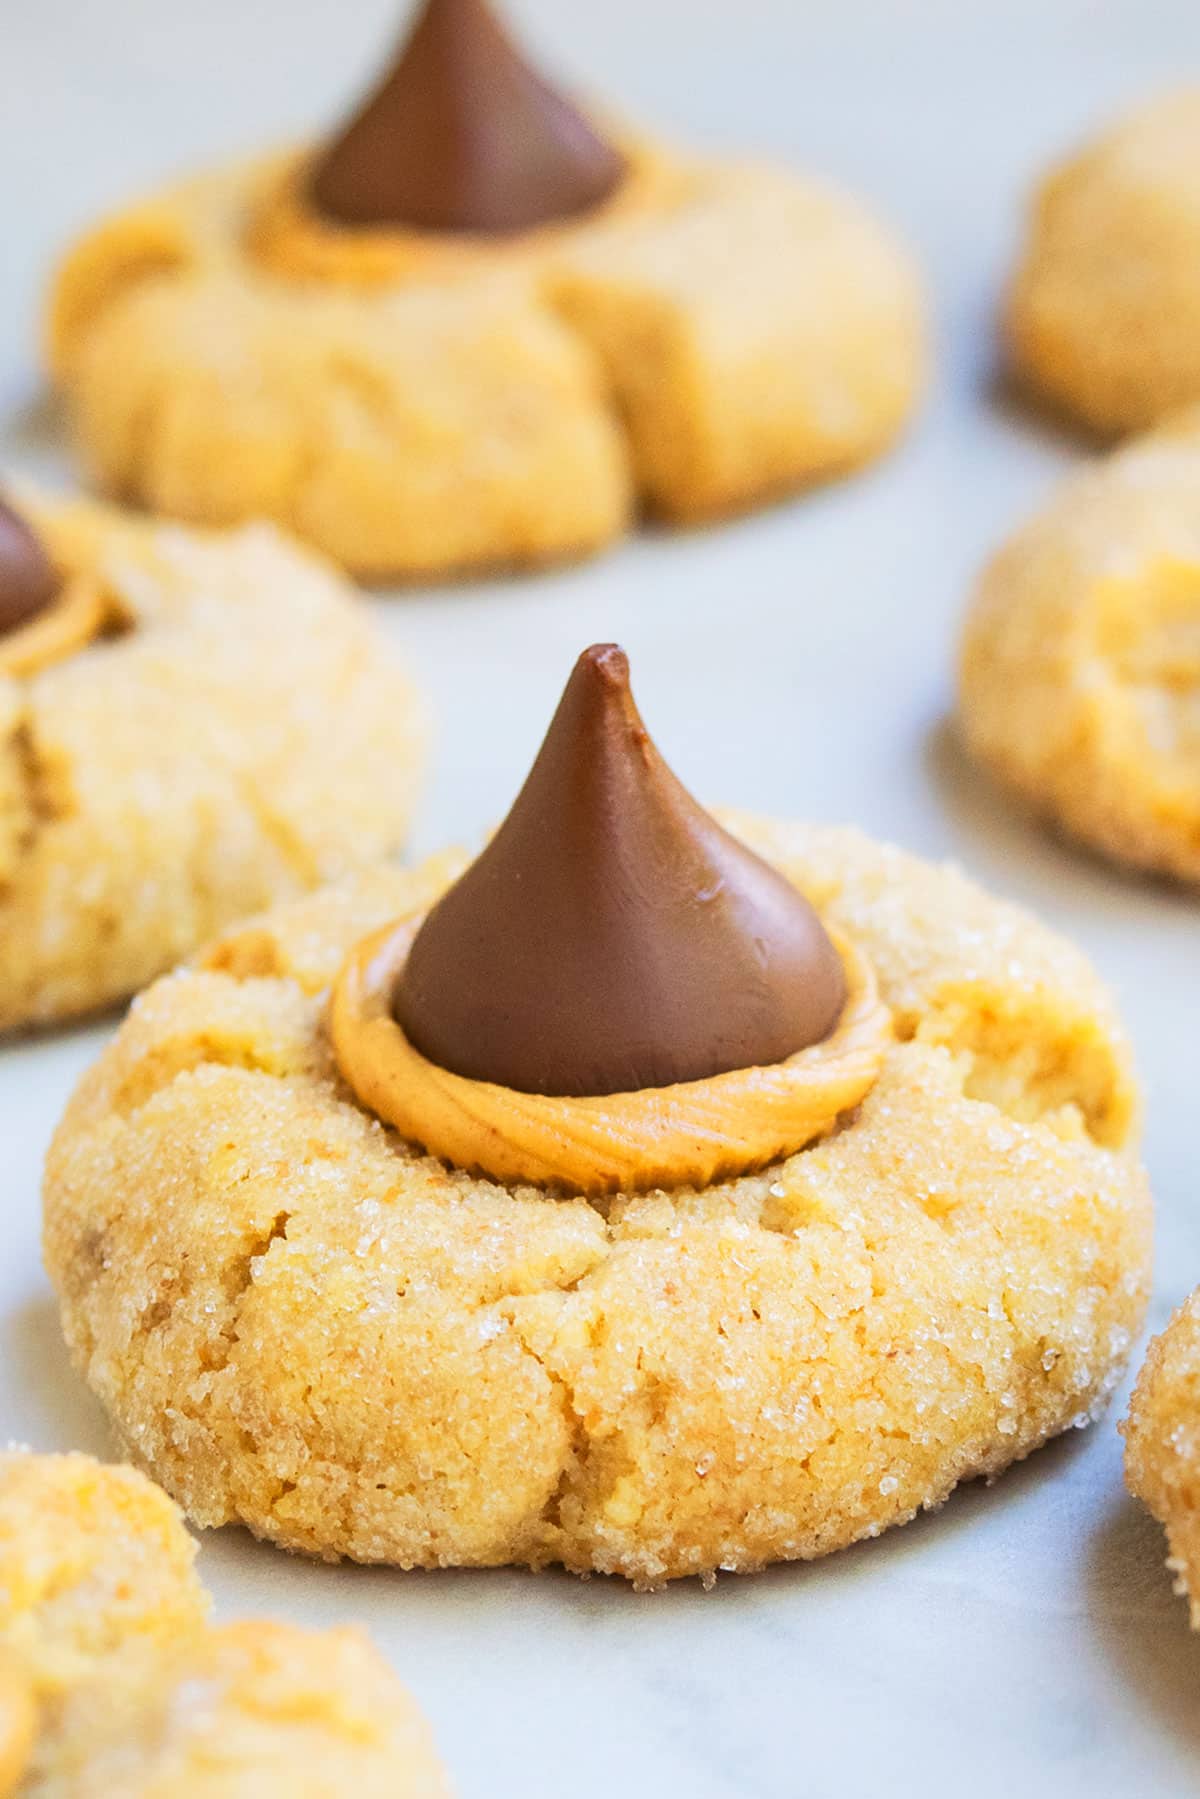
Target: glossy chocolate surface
(463,136)
(612,936)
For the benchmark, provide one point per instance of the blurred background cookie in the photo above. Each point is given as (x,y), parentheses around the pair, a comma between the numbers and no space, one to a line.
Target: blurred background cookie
(112,1681)
(478,327)
(190,725)
(93,1560)
(1103,316)
(1079,674)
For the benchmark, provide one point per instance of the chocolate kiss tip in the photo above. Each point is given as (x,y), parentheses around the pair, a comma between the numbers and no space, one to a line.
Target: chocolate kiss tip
(28,582)
(608,662)
(612,936)
(462,135)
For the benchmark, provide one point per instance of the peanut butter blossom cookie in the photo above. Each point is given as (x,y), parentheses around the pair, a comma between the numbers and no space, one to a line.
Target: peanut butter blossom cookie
(1104,313)
(476,327)
(1162,1444)
(113,1681)
(1080,670)
(190,727)
(647,1195)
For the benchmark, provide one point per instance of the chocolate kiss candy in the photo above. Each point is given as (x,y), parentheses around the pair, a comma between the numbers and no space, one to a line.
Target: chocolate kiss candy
(28,582)
(612,936)
(463,136)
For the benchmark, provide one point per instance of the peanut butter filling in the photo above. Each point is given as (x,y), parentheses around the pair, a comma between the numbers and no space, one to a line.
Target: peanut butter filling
(293,239)
(50,606)
(690,1134)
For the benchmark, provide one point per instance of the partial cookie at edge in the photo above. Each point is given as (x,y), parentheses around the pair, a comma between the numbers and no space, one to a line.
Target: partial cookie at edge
(129,1689)
(1162,1444)
(1103,317)
(1079,671)
(244,737)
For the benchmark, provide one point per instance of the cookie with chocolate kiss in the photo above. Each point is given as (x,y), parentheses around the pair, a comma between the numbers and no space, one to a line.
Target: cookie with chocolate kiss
(612,936)
(475,287)
(128,651)
(28,582)
(445,1367)
(462,135)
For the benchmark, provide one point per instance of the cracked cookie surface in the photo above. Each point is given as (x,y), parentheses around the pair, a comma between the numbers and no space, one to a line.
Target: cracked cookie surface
(1162,1444)
(240,738)
(1079,681)
(112,1679)
(298,1322)
(719,335)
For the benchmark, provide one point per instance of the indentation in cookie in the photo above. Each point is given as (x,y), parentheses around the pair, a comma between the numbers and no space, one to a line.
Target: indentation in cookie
(1032,1058)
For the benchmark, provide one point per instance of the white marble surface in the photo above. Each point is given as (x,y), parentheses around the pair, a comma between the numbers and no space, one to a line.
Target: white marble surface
(1025,1640)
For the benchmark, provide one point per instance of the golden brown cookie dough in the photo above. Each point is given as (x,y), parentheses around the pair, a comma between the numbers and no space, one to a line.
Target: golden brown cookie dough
(416,401)
(234,734)
(1162,1444)
(1104,314)
(1079,679)
(113,1681)
(298,1322)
